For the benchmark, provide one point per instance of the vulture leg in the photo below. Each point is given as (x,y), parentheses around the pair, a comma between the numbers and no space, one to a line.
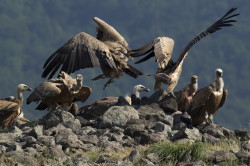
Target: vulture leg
(102,76)
(108,83)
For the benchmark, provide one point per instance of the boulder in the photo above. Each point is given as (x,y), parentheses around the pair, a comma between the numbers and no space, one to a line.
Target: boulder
(192,134)
(118,116)
(222,156)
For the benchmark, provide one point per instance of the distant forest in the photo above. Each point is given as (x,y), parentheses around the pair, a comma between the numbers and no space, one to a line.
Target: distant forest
(30,31)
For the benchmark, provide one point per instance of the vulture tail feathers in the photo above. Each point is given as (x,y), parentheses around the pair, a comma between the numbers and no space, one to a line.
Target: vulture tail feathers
(133,72)
(33,97)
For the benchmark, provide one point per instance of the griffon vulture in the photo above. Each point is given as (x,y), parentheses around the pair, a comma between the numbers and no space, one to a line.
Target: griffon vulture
(63,91)
(185,95)
(109,51)
(208,100)
(11,108)
(161,48)
(99,107)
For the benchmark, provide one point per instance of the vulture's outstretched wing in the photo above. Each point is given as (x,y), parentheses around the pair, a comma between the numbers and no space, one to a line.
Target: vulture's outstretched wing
(162,47)
(82,51)
(105,32)
(224,21)
(83,94)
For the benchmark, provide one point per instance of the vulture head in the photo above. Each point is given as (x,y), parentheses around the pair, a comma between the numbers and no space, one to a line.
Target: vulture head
(79,78)
(194,79)
(139,88)
(218,72)
(22,88)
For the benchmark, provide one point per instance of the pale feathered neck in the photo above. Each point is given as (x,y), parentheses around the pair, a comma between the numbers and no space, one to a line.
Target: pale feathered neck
(136,92)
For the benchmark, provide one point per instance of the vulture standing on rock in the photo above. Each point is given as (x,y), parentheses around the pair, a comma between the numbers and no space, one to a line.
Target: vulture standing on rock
(184,97)
(11,109)
(99,107)
(208,100)
(109,51)
(161,48)
(63,91)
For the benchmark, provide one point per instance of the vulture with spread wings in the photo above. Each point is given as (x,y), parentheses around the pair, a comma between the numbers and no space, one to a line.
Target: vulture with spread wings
(109,51)
(161,48)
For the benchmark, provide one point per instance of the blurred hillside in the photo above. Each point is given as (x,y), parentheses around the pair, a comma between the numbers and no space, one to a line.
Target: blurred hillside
(30,31)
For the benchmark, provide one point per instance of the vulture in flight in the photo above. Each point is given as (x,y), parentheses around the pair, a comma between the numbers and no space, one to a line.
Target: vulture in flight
(208,100)
(185,96)
(63,91)
(11,108)
(109,51)
(161,48)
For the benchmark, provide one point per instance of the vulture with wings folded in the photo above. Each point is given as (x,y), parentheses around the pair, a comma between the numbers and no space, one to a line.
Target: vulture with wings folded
(11,108)
(208,100)
(109,51)
(63,91)
(161,48)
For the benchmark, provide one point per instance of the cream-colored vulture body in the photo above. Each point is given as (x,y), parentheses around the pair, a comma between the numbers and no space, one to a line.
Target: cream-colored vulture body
(161,48)
(184,97)
(63,91)
(208,100)
(109,51)
(11,109)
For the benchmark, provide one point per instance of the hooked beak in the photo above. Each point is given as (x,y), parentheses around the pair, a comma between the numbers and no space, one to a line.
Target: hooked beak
(146,90)
(29,89)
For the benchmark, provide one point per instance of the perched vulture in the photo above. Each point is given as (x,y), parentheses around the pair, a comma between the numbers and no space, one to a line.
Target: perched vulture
(208,100)
(63,91)
(109,51)
(11,109)
(135,96)
(161,48)
(184,96)
(99,107)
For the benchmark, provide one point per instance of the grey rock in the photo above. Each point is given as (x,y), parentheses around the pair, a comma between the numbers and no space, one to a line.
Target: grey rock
(178,126)
(217,131)
(146,162)
(153,158)
(54,130)
(2,149)
(196,163)
(83,121)
(67,139)
(28,140)
(244,157)
(147,138)
(36,131)
(15,147)
(75,125)
(88,130)
(242,135)
(55,153)
(169,104)
(246,145)
(111,146)
(21,158)
(210,139)
(46,140)
(118,116)
(125,163)
(134,130)
(134,155)
(16,130)
(89,139)
(161,127)
(105,159)
(8,139)
(55,117)
(222,156)
(192,134)
(128,141)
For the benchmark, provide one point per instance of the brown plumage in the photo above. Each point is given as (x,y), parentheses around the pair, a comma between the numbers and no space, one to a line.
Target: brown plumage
(11,109)
(208,100)
(169,71)
(63,91)
(99,107)
(109,51)
(184,96)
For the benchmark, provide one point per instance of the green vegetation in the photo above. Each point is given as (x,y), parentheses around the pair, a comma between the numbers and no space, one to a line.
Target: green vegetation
(30,31)
(176,152)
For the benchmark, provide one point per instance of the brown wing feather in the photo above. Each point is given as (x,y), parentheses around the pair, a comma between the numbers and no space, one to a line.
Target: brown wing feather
(83,94)
(224,97)
(8,112)
(199,103)
(82,51)
(218,25)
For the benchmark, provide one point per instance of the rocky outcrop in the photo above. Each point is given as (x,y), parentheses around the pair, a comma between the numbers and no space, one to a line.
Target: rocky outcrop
(117,137)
